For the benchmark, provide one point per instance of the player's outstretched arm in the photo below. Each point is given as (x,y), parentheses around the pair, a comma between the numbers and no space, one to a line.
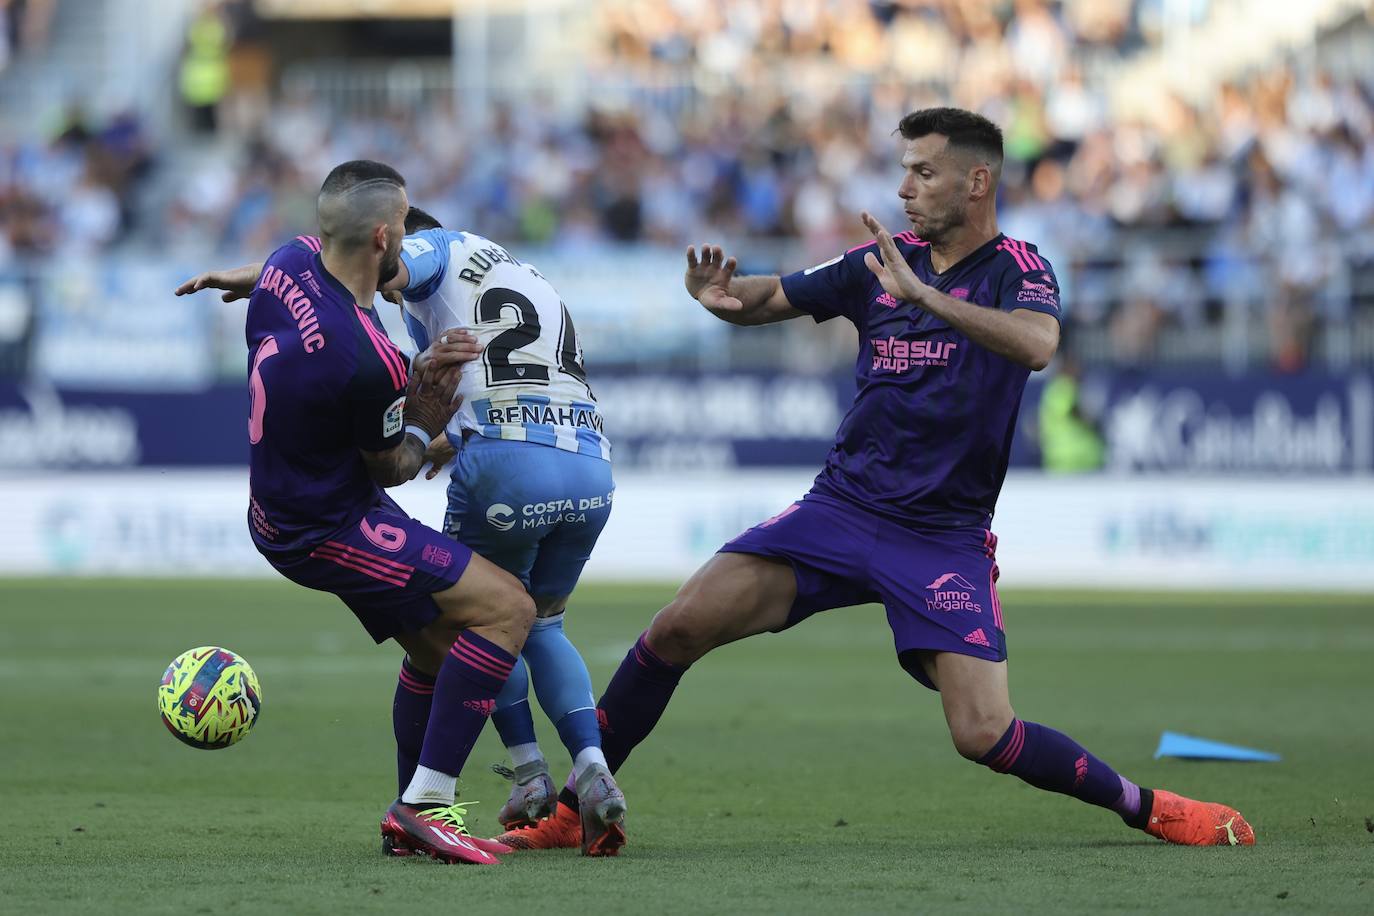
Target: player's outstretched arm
(738,300)
(430,404)
(237,283)
(1022,336)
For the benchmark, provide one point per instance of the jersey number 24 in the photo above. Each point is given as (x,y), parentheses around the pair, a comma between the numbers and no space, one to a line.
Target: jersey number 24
(497,355)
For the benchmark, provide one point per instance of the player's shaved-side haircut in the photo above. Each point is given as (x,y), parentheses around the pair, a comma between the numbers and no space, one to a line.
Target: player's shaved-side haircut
(967,131)
(355,198)
(418,220)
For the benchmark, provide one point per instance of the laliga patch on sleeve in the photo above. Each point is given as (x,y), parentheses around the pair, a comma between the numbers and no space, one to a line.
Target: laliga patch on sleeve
(811,270)
(394,418)
(415,246)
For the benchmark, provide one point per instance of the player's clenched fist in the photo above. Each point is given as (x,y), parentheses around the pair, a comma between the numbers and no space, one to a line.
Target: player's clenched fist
(708,280)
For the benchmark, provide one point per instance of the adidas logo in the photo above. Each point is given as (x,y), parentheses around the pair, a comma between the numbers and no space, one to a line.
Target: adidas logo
(481,707)
(1080,769)
(603,723)
(978,638)
(888,300)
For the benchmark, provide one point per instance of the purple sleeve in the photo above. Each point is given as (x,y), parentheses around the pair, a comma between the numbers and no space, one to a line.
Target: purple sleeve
(834,288)
(377,393)
(1031,284)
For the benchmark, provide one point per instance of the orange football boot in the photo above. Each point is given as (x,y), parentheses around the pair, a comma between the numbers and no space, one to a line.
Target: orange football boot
(561,831)
(1180,820)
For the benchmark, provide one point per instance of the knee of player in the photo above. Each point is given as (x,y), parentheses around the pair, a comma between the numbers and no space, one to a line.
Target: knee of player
(516,609)
(677,633)
(976,733)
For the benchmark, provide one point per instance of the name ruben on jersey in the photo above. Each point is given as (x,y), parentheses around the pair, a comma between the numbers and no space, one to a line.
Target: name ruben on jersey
(530,383)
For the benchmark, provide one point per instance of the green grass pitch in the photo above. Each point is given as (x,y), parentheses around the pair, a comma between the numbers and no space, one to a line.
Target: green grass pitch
(802,772)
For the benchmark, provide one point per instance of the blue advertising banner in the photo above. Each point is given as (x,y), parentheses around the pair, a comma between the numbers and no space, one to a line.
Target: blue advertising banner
(1258,423)
(43,428)
(664,421)
(1152,422)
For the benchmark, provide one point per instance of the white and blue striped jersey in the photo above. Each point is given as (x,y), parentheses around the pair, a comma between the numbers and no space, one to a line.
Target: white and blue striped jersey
(530,383)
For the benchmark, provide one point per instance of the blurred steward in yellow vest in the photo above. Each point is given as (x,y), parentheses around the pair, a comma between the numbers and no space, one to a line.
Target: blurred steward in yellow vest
(1069,441)
(205,67)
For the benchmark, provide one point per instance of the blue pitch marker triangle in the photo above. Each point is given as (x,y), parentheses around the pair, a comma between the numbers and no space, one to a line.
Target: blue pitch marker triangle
(1172,744)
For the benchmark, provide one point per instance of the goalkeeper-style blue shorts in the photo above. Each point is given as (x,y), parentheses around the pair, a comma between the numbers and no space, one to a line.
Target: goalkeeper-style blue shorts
(939,586)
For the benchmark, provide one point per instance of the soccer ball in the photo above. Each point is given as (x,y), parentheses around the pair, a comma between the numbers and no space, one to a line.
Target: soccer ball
(209,697)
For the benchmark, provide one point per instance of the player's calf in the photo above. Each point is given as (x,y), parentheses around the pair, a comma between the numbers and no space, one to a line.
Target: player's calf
(733,596)
(495,615)
(978,711)
(1051,760)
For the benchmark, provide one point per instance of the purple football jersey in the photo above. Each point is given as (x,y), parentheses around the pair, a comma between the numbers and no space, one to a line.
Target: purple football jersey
(324,381)
(928,436)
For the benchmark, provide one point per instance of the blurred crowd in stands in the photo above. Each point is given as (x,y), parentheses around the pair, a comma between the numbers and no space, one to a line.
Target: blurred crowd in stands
(74,190)
(786,134)
(24,26)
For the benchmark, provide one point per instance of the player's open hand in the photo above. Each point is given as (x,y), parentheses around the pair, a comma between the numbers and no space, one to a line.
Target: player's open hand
(708,280)
(237,282)
(439,454)
(891,269)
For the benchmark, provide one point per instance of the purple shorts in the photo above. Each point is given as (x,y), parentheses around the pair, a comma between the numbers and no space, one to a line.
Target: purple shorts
(939,585)
(386,568)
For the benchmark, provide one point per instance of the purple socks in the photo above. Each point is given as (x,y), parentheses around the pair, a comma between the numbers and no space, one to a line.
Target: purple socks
(634,700)
(409,717)
(464,697)
(1053,761)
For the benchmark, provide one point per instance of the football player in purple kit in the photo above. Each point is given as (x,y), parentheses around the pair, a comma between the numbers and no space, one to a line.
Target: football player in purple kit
(952,317)
(336,415)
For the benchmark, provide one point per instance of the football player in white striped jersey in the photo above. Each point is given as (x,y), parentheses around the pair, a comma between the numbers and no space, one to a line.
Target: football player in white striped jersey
(531,490)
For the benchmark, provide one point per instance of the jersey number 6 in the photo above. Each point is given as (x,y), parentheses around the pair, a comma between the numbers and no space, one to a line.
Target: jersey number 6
(387,537)
(257,392)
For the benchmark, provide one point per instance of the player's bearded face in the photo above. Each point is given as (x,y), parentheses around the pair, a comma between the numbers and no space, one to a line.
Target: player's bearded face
(935,190)
(942,216)
(391,258)
(943,205)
